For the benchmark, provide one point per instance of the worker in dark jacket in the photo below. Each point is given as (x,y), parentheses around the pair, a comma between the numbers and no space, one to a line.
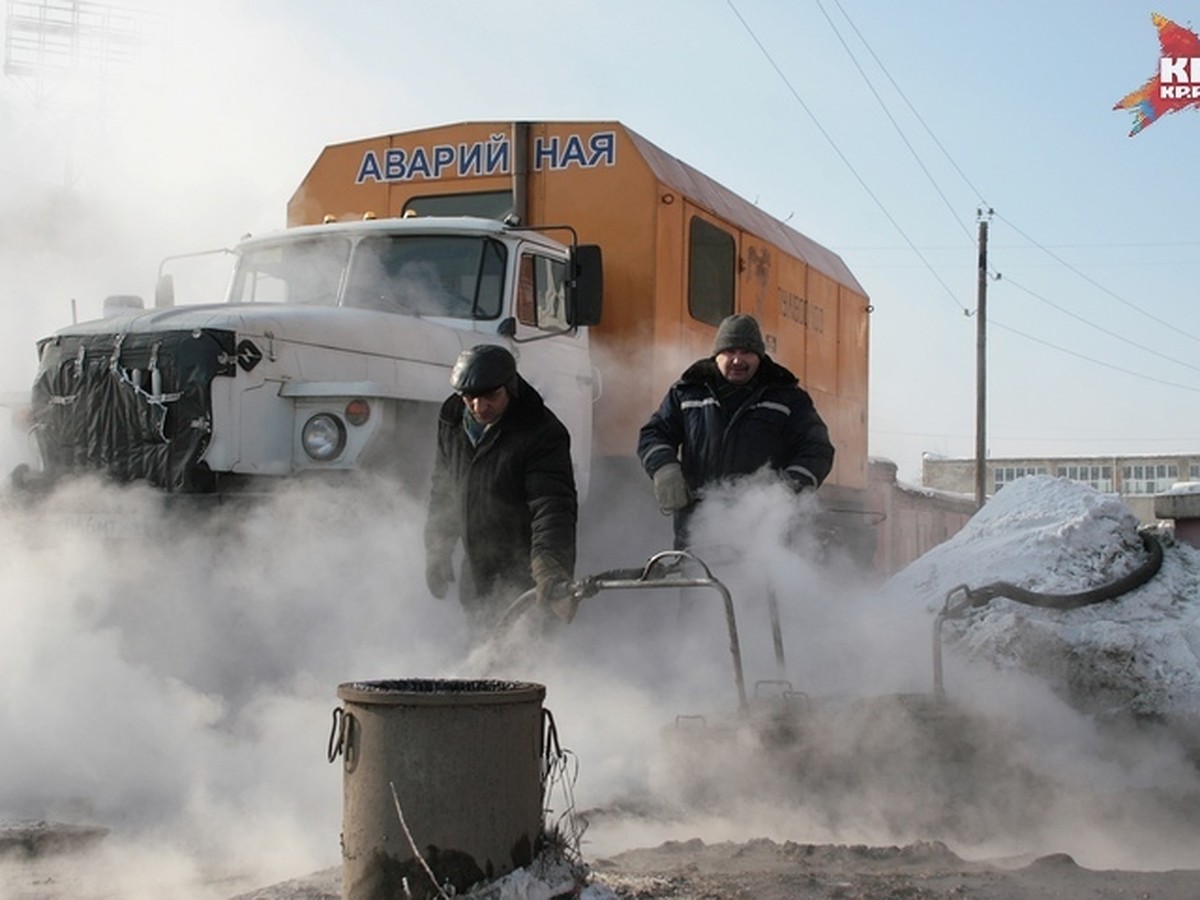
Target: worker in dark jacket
(503,485)
(730,414)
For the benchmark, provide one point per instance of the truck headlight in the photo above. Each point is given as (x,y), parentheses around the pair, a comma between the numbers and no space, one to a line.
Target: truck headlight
(323,437)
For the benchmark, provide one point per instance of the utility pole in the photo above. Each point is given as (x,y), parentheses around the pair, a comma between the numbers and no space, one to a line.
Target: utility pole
(67,53)
(981,364)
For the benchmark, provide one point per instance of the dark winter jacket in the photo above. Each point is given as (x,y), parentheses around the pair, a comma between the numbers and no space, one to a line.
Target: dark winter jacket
(511,499)
(775,425)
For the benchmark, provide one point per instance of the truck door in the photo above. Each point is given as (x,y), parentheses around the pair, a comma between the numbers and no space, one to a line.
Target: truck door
(551,358)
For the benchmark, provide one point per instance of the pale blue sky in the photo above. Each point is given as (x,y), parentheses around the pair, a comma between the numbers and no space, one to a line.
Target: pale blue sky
(1092,227)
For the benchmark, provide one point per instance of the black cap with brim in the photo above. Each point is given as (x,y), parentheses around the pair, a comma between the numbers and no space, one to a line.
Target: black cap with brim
(482,369)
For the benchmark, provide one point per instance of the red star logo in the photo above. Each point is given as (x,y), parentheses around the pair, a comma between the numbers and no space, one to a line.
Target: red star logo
(1159,95)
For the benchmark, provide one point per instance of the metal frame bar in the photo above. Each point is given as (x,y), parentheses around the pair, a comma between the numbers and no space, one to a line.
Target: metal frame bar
(611,581)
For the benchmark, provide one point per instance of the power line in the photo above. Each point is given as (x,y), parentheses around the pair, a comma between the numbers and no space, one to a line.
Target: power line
(1075,439)
(1097,246)
(1172,326)
(1059,260)
(968,182)
(836,149)
(887,112)
(911,246)
(982,204)
(1124,371)
(1110,244)
(911,107)
(1124,339)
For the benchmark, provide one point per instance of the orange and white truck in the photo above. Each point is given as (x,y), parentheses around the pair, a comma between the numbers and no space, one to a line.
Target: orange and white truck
(333,343)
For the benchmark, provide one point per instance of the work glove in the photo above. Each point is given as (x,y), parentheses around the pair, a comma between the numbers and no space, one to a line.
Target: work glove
(799,482)
(553,587)
(670,488)
(439,572)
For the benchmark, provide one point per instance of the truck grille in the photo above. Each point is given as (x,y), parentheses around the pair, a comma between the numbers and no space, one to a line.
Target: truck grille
(130,406)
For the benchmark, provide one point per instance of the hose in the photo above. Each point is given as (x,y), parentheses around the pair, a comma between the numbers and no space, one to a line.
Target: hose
(1123,585)
(976,597)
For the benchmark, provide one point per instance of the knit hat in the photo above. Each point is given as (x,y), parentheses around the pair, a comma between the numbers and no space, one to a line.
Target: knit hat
(739,331)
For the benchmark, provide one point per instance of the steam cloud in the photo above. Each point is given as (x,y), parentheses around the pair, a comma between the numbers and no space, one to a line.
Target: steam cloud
(173,682)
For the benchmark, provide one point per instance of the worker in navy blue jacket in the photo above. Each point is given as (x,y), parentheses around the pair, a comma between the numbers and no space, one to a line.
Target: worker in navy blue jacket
(731,414)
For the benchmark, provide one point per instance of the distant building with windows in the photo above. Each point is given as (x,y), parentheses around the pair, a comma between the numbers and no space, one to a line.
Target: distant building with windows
(1136,479)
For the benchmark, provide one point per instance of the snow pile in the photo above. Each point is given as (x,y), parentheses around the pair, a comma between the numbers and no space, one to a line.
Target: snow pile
(549,876)
(1135,656)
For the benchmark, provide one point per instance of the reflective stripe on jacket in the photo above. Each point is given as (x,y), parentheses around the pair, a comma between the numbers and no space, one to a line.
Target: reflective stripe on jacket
(776,425)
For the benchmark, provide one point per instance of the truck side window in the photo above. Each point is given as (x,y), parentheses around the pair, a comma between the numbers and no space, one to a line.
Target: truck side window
(541,293)
(526,296)
(550,278)
(490,296)
(712,263)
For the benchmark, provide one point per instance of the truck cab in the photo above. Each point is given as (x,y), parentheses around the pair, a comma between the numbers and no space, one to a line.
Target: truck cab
(330,353)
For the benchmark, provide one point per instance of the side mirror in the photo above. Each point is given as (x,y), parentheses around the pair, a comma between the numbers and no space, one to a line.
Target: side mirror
(507,327)
(164,292)
(587,294)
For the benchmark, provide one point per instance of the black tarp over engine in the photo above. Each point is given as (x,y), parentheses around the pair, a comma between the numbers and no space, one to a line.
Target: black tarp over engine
(130,406)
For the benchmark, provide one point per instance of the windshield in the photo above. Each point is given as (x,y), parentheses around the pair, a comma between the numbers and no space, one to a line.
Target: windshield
(455,276)
(430,275)
(305,272)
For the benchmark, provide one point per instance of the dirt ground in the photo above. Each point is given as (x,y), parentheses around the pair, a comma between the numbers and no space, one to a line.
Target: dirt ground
(51,869)
(765,870)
